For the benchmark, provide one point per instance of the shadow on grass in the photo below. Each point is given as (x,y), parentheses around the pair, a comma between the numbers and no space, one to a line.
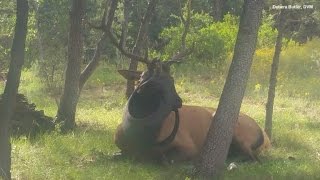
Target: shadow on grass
(313,125)
(90,149)
(292,144)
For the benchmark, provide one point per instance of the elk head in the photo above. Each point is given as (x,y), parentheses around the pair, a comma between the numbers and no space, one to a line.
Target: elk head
(155,86)
(150,103)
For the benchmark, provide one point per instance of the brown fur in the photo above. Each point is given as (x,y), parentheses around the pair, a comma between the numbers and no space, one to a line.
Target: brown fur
(195,121)
(194,125)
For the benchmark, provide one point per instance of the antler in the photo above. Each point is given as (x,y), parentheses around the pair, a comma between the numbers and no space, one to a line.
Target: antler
(174,59)
(120,45)
(124,52)
(181,54)
(106,25)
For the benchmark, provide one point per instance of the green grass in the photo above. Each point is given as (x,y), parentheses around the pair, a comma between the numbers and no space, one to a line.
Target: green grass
(86,153)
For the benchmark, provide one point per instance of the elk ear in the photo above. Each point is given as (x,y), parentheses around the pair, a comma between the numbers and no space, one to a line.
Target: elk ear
(130,75)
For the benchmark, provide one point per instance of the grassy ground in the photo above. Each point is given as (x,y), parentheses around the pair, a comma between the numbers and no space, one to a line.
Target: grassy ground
(86,152)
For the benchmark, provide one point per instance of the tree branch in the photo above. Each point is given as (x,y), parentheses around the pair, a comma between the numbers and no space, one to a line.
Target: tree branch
(140,37)
(93,64)
(186,24)
(124,30)
(132,56)
(105,26)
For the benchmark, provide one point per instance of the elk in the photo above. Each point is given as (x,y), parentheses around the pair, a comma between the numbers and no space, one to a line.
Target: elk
(156,124)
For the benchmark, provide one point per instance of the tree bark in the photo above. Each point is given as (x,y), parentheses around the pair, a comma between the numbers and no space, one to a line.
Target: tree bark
(273,75)
(75,80)
(141,39)
(217,9)
(12,85)
(214,153)
(69,99)
(94,62)
(125,23)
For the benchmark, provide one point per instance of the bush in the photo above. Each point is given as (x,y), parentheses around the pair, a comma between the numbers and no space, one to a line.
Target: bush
(212,40)
(300,70)
(298,73)
(261,66)
(301,60)
(267,34)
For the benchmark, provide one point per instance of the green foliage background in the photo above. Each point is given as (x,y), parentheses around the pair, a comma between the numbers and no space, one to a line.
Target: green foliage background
(86,153)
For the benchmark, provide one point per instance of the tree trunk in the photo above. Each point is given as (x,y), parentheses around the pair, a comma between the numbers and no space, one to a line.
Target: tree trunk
(141,39)
(34,5)
(94,62)
(11,88)
(125,23)
(217,9)
(75,80)
(273,76)
(69,99)
(214,153)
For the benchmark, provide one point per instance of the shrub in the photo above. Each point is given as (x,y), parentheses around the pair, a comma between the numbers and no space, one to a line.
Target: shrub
(212,40)
(267,34)
(298,73)
(299,69)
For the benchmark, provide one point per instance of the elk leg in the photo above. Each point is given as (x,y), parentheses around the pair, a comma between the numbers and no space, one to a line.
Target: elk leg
(248,151)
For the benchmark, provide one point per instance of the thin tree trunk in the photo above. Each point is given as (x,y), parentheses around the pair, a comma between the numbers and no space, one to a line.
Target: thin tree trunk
(11,89)
(273,76)
(94,62)
(125,23)
(40,45)
(217,9)
(75,80)
(68,103)
(35,5)
(214,153)
(141,39)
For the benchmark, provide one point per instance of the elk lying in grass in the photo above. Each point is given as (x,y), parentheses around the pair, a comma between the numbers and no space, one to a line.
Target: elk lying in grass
(156,124)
